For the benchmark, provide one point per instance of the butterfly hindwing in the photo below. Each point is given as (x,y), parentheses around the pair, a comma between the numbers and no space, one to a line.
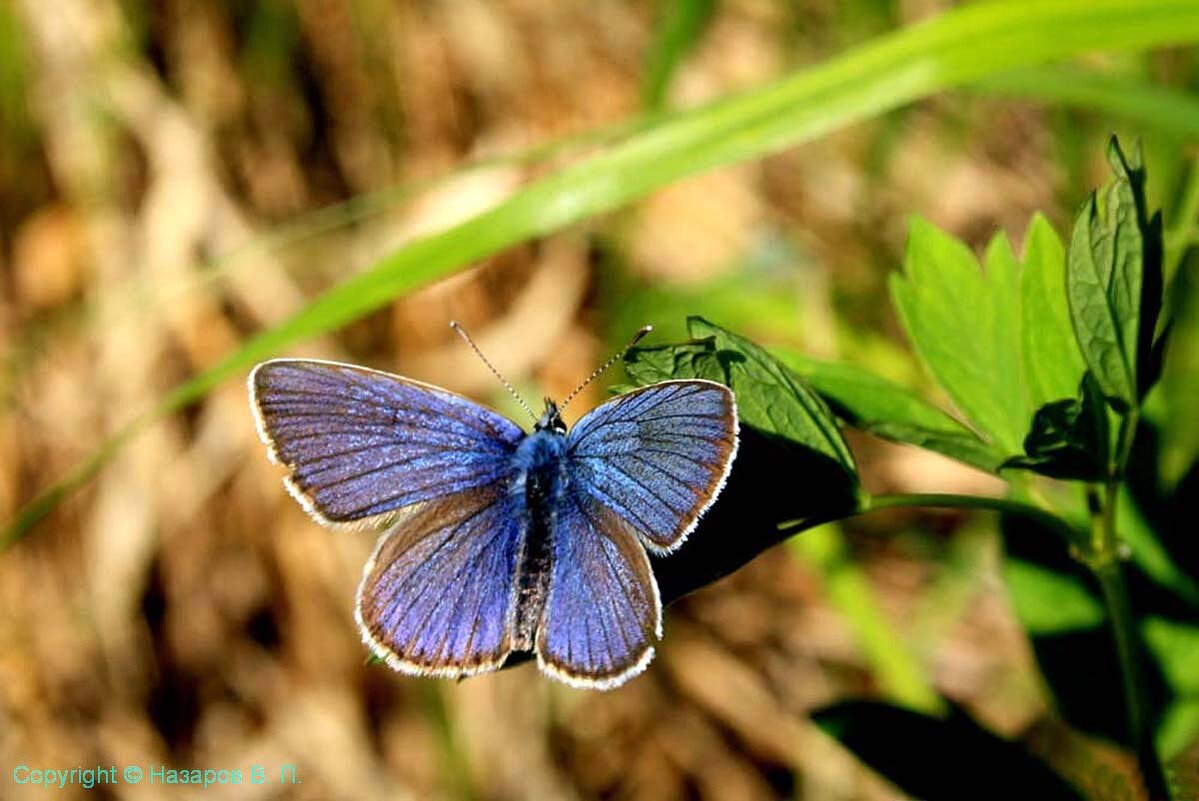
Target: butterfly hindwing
(361,444)
(602,612)
(657,456)
(438,596)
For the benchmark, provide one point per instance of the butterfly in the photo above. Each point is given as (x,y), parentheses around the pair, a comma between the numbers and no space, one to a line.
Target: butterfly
(497,540)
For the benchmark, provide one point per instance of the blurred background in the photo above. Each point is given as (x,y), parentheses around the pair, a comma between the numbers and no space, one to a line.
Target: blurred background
(176,175)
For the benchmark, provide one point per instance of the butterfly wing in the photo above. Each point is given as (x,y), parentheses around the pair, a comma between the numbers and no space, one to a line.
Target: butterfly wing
(438,597)
(362,444)
(657,457)
(602,611)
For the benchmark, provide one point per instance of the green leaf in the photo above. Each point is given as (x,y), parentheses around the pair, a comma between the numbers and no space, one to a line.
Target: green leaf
(1052,366)
(941,759)
(887,410)
(963,323)
(1049,601)
(1069,438)
(1113,249)
(960,46)
(1177,731)
(1148,551)
(1176,645)
(651,364)
(770,397)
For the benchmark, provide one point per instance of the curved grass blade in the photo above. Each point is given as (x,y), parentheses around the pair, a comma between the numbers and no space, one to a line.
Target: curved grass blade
(1149,105)
(956,48)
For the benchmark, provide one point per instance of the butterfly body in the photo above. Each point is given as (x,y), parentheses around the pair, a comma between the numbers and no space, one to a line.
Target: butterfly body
(500,540)
(540,479)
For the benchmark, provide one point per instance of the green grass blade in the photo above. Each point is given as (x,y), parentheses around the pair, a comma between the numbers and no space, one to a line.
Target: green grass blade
(1136,101)
(954,49)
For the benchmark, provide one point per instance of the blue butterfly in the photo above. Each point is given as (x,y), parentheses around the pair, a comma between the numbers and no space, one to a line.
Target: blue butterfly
(498,540)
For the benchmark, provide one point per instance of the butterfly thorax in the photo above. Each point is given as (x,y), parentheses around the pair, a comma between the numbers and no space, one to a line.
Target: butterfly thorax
(540,462)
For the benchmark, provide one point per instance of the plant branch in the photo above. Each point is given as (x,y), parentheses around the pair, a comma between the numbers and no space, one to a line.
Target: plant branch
(1101,552)
(1110,576)
(1105,559)
(1071,535)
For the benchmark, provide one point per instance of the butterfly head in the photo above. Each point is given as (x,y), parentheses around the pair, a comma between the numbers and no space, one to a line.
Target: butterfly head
(551,419)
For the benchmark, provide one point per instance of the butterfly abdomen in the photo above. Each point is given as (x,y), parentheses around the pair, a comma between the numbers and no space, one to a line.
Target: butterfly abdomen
(540,465)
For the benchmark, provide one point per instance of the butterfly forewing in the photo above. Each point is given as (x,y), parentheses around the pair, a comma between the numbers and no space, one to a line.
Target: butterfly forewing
(361,444)
(657,456)
(602,612)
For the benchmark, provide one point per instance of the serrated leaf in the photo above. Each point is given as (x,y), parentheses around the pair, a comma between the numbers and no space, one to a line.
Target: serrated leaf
(885,409)
(1105,279)
(963,324)
(1051,363)
(941,759)
(788,475)
(770,398)
(1069,437)
(649,365)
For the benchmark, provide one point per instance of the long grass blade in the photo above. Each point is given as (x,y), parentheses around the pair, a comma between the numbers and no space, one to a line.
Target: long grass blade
(1128,98)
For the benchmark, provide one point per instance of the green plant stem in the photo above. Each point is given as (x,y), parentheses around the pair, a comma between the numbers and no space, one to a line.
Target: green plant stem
(1105,560)
(1070,535)
(1110,576)
(1101,553)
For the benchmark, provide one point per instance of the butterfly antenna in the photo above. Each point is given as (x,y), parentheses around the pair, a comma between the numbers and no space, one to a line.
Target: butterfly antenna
(604,367)
(460,331)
